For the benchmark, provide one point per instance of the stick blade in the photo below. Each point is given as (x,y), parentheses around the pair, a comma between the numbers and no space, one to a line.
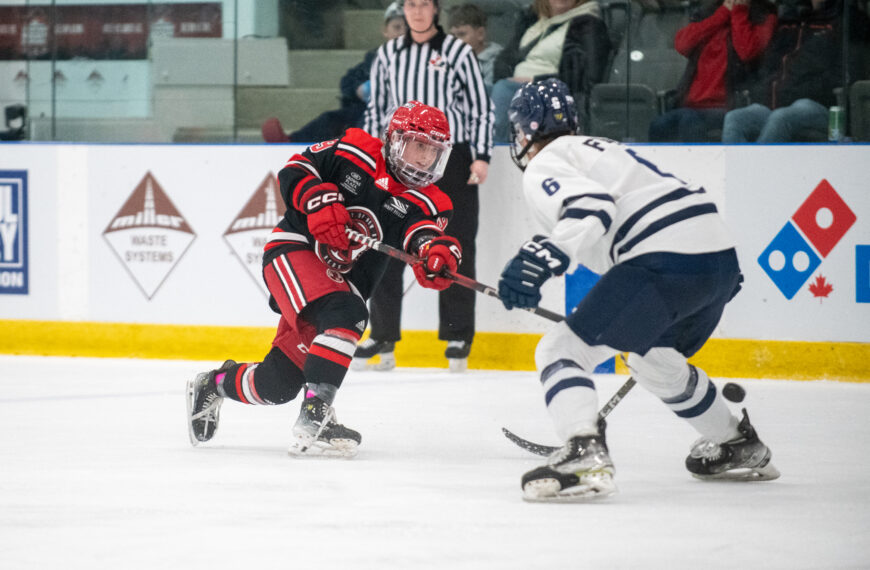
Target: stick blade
(530,446)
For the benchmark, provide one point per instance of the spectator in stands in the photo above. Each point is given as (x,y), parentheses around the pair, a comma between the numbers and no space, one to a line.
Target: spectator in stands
(355,87)
(468,23)
(801,68)
(556,38)
(723,49)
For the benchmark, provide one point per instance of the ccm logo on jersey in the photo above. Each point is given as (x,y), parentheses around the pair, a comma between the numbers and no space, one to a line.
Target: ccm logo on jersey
(543,254)
(322,200)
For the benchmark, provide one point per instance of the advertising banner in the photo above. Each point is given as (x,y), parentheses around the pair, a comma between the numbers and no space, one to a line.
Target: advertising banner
(101,31)
(14,223)
(801,216)
(173,234)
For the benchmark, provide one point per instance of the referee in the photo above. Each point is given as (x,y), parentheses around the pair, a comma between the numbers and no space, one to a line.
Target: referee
(437,69)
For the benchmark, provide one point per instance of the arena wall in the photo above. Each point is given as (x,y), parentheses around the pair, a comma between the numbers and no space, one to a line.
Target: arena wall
(153,251)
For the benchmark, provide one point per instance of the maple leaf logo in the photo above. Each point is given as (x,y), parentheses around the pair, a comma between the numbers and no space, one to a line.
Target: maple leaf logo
(820,287)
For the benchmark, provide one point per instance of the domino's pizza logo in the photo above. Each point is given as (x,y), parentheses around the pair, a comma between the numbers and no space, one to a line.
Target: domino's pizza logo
(14,268)
(814,230)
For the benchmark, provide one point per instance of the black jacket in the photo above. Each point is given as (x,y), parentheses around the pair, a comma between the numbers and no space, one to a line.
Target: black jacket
(585,54)
(356,76)
(803,60)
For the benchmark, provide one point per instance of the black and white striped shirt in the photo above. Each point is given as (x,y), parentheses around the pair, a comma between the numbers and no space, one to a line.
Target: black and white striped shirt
(443,73)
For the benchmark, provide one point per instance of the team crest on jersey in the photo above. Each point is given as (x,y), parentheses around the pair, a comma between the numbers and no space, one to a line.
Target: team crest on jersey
(442,222)
(322,145)
(365,222)
(437,62)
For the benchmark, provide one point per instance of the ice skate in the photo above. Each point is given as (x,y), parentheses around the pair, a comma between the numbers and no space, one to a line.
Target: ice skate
(204,405)
(317,433)
(370,347)
(580,470)
(457,355)
(744,458)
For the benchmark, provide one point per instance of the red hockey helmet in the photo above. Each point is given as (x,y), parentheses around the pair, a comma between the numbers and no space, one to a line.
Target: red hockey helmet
(418,144)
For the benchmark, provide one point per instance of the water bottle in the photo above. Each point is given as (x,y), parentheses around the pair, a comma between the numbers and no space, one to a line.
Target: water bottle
(836,123)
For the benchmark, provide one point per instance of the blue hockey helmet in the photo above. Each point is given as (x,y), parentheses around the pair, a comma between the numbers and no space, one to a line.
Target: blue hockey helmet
(540,110)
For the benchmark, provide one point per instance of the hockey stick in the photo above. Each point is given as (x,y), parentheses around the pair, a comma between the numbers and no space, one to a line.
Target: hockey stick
(462,280)
(469,283)
(545,450)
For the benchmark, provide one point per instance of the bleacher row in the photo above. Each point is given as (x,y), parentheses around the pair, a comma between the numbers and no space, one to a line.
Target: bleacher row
(643,68)
(315,73)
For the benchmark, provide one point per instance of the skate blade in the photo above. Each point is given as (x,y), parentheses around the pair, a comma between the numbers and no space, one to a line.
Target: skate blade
(766,473)
(193,440)
(458,364)
(591,487)
(388,362)
(215,410)
(336,449)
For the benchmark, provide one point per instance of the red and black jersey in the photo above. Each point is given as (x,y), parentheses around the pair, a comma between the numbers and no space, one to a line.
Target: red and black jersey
(379,206)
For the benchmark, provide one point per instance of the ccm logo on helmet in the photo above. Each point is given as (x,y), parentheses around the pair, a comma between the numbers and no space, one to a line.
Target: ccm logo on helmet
(322,200)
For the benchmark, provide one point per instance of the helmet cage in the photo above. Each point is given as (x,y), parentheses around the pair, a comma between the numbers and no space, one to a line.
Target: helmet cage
(520,145)
(410,172)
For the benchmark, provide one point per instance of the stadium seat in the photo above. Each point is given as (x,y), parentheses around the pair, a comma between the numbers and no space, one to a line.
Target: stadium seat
(622,112)
(859,110)
(15,117)
(645,66)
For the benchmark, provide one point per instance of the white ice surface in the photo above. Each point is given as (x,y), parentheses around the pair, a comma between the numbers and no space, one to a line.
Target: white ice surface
(96,471)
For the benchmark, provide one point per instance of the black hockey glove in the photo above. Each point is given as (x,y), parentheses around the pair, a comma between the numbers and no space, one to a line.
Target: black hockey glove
(522,277)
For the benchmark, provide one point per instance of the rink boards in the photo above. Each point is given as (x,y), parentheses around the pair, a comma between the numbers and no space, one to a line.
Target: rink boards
(153,251)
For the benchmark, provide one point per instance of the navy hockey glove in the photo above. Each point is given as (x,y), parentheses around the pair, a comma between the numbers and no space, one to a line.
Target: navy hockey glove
(327,216)
(436,255)
(521,280)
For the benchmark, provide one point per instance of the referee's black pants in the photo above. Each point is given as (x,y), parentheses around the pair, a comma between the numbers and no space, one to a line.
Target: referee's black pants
(455,304)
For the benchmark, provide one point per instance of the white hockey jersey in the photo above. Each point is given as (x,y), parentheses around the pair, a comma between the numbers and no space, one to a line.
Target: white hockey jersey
(601,203)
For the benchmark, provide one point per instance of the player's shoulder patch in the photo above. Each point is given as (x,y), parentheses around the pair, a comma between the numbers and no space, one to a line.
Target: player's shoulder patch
(363,141)
(323,145)
(361,148)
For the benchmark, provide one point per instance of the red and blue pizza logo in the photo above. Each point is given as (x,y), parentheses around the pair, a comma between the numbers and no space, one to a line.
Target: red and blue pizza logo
(814,230)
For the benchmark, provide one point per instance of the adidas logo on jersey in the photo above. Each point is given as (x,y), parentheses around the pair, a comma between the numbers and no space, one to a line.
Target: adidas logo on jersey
(383,183)
(361,326)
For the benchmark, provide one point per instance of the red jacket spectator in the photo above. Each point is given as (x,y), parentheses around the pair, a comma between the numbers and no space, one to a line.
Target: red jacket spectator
(719,48)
